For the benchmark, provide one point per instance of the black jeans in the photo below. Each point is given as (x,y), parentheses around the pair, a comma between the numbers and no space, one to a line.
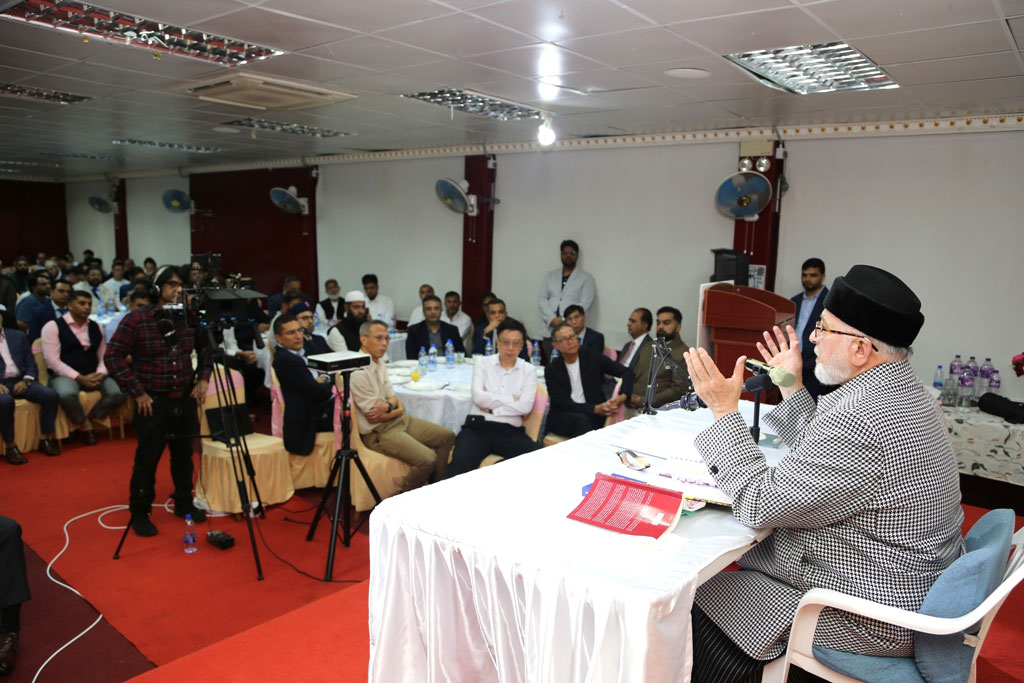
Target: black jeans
(13,577)
(480,438)
(573,424)
(174,423)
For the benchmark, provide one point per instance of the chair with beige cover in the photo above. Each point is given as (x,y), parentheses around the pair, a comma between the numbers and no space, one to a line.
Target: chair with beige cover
(63,427)
(386,473)
(307,470)
(552,439)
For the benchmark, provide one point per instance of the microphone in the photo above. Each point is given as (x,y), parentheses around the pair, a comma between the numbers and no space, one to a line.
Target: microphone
(779,376)
(167,331)
(689,401)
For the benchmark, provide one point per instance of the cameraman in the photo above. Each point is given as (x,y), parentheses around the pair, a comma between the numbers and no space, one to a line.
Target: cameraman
(161,381)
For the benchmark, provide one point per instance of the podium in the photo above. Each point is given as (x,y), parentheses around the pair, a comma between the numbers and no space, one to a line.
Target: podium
(736,317)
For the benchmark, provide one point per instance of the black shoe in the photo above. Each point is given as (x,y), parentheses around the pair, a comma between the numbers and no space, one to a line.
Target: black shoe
(50,447)
(14,455)
(8,652)
(143,527)
(190,509)
(88,438)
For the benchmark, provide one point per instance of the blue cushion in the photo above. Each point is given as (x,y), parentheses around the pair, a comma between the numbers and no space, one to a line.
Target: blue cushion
(869,668)
(959,589)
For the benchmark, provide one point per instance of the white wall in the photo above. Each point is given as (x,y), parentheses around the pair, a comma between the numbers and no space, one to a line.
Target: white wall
(152,229)
(938,211)
(385,218)
(88,228)
(644,219)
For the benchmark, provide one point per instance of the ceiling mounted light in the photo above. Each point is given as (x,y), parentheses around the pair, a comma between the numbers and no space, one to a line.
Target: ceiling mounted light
(174,146)
(545,132)
(41,94)
(687,73)
(90,21)
(282,127)
(811,69)
(763,164)
(746,164)
(475,103)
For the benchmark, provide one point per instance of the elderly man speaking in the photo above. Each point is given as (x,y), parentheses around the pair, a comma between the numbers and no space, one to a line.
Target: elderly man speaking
(866,501)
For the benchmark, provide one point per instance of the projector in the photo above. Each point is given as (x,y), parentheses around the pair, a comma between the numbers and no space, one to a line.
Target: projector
(341,361)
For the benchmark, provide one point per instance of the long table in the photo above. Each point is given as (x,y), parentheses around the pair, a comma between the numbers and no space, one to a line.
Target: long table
(483,578)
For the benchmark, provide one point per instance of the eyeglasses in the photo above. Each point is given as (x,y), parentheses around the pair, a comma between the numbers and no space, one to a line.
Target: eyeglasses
(568,252)
(820,328)
(565,339)
(510,342)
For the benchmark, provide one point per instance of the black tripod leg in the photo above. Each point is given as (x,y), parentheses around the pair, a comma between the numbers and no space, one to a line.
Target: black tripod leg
(117,553)
(342,487)
(335,467)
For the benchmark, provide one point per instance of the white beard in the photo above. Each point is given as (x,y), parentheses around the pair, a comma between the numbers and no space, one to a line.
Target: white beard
(832,372)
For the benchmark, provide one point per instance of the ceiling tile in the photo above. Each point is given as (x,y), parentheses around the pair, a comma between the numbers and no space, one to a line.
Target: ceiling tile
(654,96)
(367,17)
(178,13)
(673,12)
(937,43)
(855,99)
(305,68)
(760,31)
(775,107)
(555,22)
(31,61)
(271,29)
(535,60)
(103,74)
(634,47)
(710,92)
(72,85)
(57,43)
(1017,29)
(523,91)
(1012,8)
(995,65)
(859,18)
(144,61)
(12,75)
(373,53)
(967,93)
(603,79)
(374,81)
(453,73)
(458,35)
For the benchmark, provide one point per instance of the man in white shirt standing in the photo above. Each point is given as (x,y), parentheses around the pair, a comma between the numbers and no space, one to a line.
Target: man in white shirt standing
(504,386)
(416,315)
(378,306)
(454,315)
(565,286)
(111,289)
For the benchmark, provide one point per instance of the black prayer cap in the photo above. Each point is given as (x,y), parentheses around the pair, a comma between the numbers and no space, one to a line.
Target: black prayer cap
(300,307)
(878,304)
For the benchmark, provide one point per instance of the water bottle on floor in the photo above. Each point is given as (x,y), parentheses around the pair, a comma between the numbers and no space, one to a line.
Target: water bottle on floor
(190,535)
(449,354)
(432,359)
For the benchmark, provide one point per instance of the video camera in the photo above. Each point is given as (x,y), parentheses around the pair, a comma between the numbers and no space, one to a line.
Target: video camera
(217,301)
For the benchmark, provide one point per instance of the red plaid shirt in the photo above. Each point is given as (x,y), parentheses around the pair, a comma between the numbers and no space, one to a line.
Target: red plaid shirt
(156,366)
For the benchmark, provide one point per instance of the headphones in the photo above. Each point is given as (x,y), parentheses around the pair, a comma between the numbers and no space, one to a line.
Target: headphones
(162,275)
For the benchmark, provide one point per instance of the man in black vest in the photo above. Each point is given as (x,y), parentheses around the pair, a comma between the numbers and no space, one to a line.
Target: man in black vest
(73,347)
(345,335)
(333,304)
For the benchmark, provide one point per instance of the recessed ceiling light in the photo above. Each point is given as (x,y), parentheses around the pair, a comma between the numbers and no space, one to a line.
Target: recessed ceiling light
(281,127)
(42,94)
(90,21)
(175,146)
(687,73)
(811,69)
(475,103)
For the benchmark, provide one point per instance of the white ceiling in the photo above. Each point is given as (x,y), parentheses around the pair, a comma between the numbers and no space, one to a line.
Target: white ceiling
(950,57)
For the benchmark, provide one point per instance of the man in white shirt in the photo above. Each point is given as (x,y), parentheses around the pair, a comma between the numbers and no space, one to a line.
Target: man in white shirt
(73,347)
(565,286)
(454,315)
(111,289)
(91,283)
(378,306)
(416,315)
(504,387)
(382,421)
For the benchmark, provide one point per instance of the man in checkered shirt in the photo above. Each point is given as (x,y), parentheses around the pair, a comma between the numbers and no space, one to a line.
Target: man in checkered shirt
(866,502)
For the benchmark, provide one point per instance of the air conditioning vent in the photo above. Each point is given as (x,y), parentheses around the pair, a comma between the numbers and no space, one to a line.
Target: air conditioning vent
(260,92)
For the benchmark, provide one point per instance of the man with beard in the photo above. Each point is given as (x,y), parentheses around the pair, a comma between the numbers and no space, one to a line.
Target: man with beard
(312,344)
(378,306)
(454,315)
(91,284)
(35,310)
(809,305)
(432,330)
(668,387)
(565,286)
(416,314)
(345,335)
(332,304)
(20,275)
(866,501)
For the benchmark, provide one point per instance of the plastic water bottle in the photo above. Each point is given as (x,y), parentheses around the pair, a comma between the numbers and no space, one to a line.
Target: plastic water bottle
(956,365)
(972,366)
(112,306)
(994,383)
(432,359)
(535,357)
(423,360)
(394,326)
(939,380)
(963,401)
(981,384)
(489,349)
(449,354)
(190,535)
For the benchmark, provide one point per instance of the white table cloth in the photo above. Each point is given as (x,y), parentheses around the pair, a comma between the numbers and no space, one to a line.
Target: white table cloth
(445,407)
(483,578)
(396,347)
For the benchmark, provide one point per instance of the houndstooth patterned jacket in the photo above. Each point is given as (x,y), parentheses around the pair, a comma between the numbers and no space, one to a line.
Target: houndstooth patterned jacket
(866,502)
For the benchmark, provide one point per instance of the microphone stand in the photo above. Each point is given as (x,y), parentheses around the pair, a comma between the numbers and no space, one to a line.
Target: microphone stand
(757,385)
(661,354)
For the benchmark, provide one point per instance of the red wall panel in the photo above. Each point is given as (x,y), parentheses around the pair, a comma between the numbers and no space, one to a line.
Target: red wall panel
(32,218)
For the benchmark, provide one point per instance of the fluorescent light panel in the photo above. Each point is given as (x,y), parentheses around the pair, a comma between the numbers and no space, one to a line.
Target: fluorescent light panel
(174,146)
(90,21)
(811,69)
(41,94)
(283,127)
(475,103)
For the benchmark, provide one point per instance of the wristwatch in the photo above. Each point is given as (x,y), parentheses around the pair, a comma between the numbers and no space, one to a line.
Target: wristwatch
(390,407)
(27,380)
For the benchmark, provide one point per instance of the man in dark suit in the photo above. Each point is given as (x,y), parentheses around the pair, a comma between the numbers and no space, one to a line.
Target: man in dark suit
(292,283)
(809,305)
(667,386)
(496,314)
(432,330)
(590,340)
(35,310)
(638,325)
(574,382)
(309,403)
(312,344)
(18,380)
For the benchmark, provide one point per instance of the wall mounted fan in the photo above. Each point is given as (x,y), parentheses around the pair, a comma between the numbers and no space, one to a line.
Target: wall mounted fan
(454,194)
(289,201)
(100,204)
(743,195)
(176,201)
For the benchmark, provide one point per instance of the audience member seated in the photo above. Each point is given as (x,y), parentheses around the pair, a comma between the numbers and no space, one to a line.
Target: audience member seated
(53,270)
(137,299)
(149,267)
(13,591)
(292,285)
(73,347)
(288,299)
(91,284)
(638,326)
(312,344)
(110,291)
(504,387)
(378,306)
(574,382)
(668,387)
(382,422)
(35,310)
(496,314)
(18,380)
(485,298)
(75,275)
(432,330)
(308,398)
(565,286)
(9,299)
(240,349)
(20,275)
(331,307)
(60,297)
(416,315)
(345,335)
(454,315)
(590,340)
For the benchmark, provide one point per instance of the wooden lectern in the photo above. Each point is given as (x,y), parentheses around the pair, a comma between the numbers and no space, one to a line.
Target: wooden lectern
(737,317)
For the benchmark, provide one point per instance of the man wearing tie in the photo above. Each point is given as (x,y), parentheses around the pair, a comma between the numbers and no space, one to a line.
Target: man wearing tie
(638,326)
(91,284)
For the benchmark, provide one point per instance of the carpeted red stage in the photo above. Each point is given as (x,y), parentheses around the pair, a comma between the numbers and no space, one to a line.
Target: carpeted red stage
(205,616)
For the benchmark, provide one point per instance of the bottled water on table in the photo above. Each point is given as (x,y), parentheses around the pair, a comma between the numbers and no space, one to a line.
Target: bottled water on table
(938,381)
(449,354)
(489,349)
(190,535)
(423,360)
(994,383)
(432,359)
(956,365)
(984,375)
(963,401)
(972,366)
(535,357)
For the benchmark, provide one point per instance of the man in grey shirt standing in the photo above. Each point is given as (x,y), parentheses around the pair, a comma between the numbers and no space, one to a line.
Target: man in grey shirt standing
(565,286)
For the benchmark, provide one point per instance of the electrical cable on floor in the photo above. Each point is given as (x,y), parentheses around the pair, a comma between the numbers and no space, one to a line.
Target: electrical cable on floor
(300,571)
